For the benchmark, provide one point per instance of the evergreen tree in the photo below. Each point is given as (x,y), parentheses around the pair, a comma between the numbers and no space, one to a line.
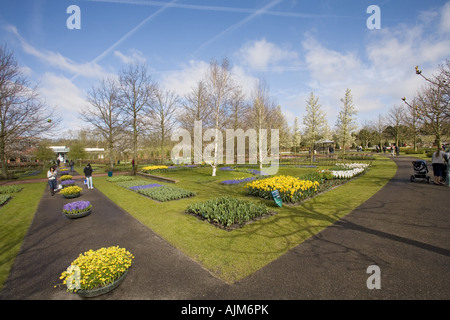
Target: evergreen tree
(346,121)
(315,123)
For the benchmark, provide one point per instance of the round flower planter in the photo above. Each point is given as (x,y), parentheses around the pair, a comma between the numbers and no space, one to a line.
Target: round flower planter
(71,196)
(78,215)
(102,290)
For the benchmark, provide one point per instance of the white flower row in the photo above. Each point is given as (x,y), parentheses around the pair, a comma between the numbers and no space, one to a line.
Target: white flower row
(350,170)
(353,165)
(346,174)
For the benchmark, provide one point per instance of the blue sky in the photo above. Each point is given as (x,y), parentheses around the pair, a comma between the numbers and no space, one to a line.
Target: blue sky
(296,46)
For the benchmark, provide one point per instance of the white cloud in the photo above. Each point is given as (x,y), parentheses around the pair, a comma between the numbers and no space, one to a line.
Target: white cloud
(182,81)
(57,60)
(329,66)
(380,75)
(59,92)
(445,18)
(261,54)
(133,56)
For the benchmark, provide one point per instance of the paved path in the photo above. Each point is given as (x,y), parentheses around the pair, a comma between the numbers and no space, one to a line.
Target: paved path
(404,229)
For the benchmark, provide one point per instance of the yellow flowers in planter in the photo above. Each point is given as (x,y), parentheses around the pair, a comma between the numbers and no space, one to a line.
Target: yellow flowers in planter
(97,268)
(291,189)
(71,190)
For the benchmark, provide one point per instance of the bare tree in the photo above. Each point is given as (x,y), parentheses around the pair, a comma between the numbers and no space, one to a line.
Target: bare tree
(412,121)
(136,92)
(433,103)
(379,125)
(196,107)
(220,85)
(260,115)
(395,122)
(22,114)
(103,112)
(239,110)
(162,113)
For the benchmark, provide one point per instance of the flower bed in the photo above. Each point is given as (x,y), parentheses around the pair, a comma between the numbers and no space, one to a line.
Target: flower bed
(254,171)
(4,198)
(150,169)
(291,189)
(346,170)
(66,177)
(119,178)
(145,186)
(153,169)
(68,183)
(96,269)
(71,192)
(132,183)
(77,207)
(237,181)
(10,189)
(166,193)
(227,211)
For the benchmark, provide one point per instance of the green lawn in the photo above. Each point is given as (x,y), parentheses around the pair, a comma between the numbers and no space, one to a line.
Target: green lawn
(15,218)
(233,255)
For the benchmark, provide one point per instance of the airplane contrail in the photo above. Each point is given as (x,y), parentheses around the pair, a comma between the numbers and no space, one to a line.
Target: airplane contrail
(129,33)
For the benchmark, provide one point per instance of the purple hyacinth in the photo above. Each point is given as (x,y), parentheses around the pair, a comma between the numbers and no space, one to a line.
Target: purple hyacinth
(66,182)
(236,181)
(146,186)
(77,206)
(254,171)
(226,169)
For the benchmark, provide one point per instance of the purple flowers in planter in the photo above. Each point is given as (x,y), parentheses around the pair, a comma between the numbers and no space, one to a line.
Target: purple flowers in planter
(146,186)
(68,182)
(77,207)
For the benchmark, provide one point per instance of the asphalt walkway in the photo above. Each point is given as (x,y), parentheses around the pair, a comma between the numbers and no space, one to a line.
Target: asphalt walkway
(404,230)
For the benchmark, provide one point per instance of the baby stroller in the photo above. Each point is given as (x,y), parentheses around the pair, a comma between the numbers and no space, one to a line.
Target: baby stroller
(420,171)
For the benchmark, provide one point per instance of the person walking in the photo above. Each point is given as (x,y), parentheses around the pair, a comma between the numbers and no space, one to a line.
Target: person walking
(88,174)
(437,161)
(71,163)
(51,176)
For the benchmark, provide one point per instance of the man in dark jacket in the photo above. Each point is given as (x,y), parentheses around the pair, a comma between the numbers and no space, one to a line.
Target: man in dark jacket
(88,174)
